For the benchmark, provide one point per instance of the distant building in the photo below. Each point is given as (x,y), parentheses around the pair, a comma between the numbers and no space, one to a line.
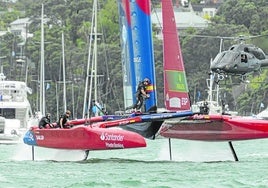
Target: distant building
(184,19)
(206,9)
(20,27)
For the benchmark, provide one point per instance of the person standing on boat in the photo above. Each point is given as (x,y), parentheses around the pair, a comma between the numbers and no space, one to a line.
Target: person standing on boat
(64,119)
(140,95)
(96,109)
(45,122)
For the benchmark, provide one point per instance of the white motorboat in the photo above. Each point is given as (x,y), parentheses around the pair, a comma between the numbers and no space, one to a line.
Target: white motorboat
(15,110)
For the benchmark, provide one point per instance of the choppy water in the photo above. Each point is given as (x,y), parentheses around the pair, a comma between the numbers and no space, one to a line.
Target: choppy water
(194,164)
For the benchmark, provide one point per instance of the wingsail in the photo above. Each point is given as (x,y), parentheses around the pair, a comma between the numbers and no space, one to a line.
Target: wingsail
(126,52)
(137,48)
(175,86)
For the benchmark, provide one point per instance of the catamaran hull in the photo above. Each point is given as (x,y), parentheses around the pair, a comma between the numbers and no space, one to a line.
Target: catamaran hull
(215,128)
(84,138)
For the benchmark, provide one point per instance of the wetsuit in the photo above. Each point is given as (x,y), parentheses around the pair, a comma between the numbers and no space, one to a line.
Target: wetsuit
(43,122)
(140,96)
(64,120)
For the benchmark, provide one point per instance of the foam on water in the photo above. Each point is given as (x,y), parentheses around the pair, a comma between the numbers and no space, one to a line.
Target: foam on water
(24,152)
(195,151)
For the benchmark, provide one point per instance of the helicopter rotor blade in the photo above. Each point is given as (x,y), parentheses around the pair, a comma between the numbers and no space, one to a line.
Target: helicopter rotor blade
(240,37)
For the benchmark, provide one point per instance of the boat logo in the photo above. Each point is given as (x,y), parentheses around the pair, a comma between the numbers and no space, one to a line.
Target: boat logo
(40,137)
(124,122)
(114,145)
(184,101)
(111,137)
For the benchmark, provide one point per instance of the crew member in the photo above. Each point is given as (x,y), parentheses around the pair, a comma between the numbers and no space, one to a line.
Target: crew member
(45,122)
(140,95)
(64,119)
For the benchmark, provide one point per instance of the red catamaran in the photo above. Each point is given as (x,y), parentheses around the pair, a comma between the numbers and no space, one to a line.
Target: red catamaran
(198,127)
(186,125)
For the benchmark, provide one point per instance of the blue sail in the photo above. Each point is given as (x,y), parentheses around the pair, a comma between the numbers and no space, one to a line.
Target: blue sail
(137,47)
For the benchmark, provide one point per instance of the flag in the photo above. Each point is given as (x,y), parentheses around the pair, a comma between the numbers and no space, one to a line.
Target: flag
(48,86)
(198,95)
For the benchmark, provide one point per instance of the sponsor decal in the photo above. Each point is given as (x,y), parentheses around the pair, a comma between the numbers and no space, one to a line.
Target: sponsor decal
(201,117)
(111,137)
(123,122)
(176,81)
(30,136)
(114,145)
(40,137)
(184,101)
(137,59)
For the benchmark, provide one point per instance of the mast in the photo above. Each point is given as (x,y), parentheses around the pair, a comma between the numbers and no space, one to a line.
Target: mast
(95,51)
(63,69)
(87,105)
(210,88)
(42,67)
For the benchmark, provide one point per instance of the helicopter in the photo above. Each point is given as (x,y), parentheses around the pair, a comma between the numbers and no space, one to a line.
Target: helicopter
(239,60)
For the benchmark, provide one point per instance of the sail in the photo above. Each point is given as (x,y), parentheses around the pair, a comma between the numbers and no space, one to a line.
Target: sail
(175,83)
(137,46)
(126,52)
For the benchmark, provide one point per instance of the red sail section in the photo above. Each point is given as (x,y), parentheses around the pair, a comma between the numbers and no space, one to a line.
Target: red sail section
(175,83)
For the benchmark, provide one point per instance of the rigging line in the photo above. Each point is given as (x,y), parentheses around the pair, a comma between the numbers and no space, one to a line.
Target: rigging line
(107,59)
(105,47)
(85,104)
(157,17)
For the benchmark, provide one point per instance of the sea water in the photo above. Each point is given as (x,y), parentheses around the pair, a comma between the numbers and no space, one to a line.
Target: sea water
(193,164)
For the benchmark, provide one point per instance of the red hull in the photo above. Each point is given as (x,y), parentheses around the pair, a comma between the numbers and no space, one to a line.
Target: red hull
(84,138)
(215,128)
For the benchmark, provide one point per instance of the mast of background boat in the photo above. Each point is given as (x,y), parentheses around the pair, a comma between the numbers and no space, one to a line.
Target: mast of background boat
(42,66)
(95,51)
(63,70)
(211,82)
(217,85)
(87,104)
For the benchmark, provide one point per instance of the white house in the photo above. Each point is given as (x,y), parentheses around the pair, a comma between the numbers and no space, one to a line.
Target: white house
(20,27)
(184,20)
